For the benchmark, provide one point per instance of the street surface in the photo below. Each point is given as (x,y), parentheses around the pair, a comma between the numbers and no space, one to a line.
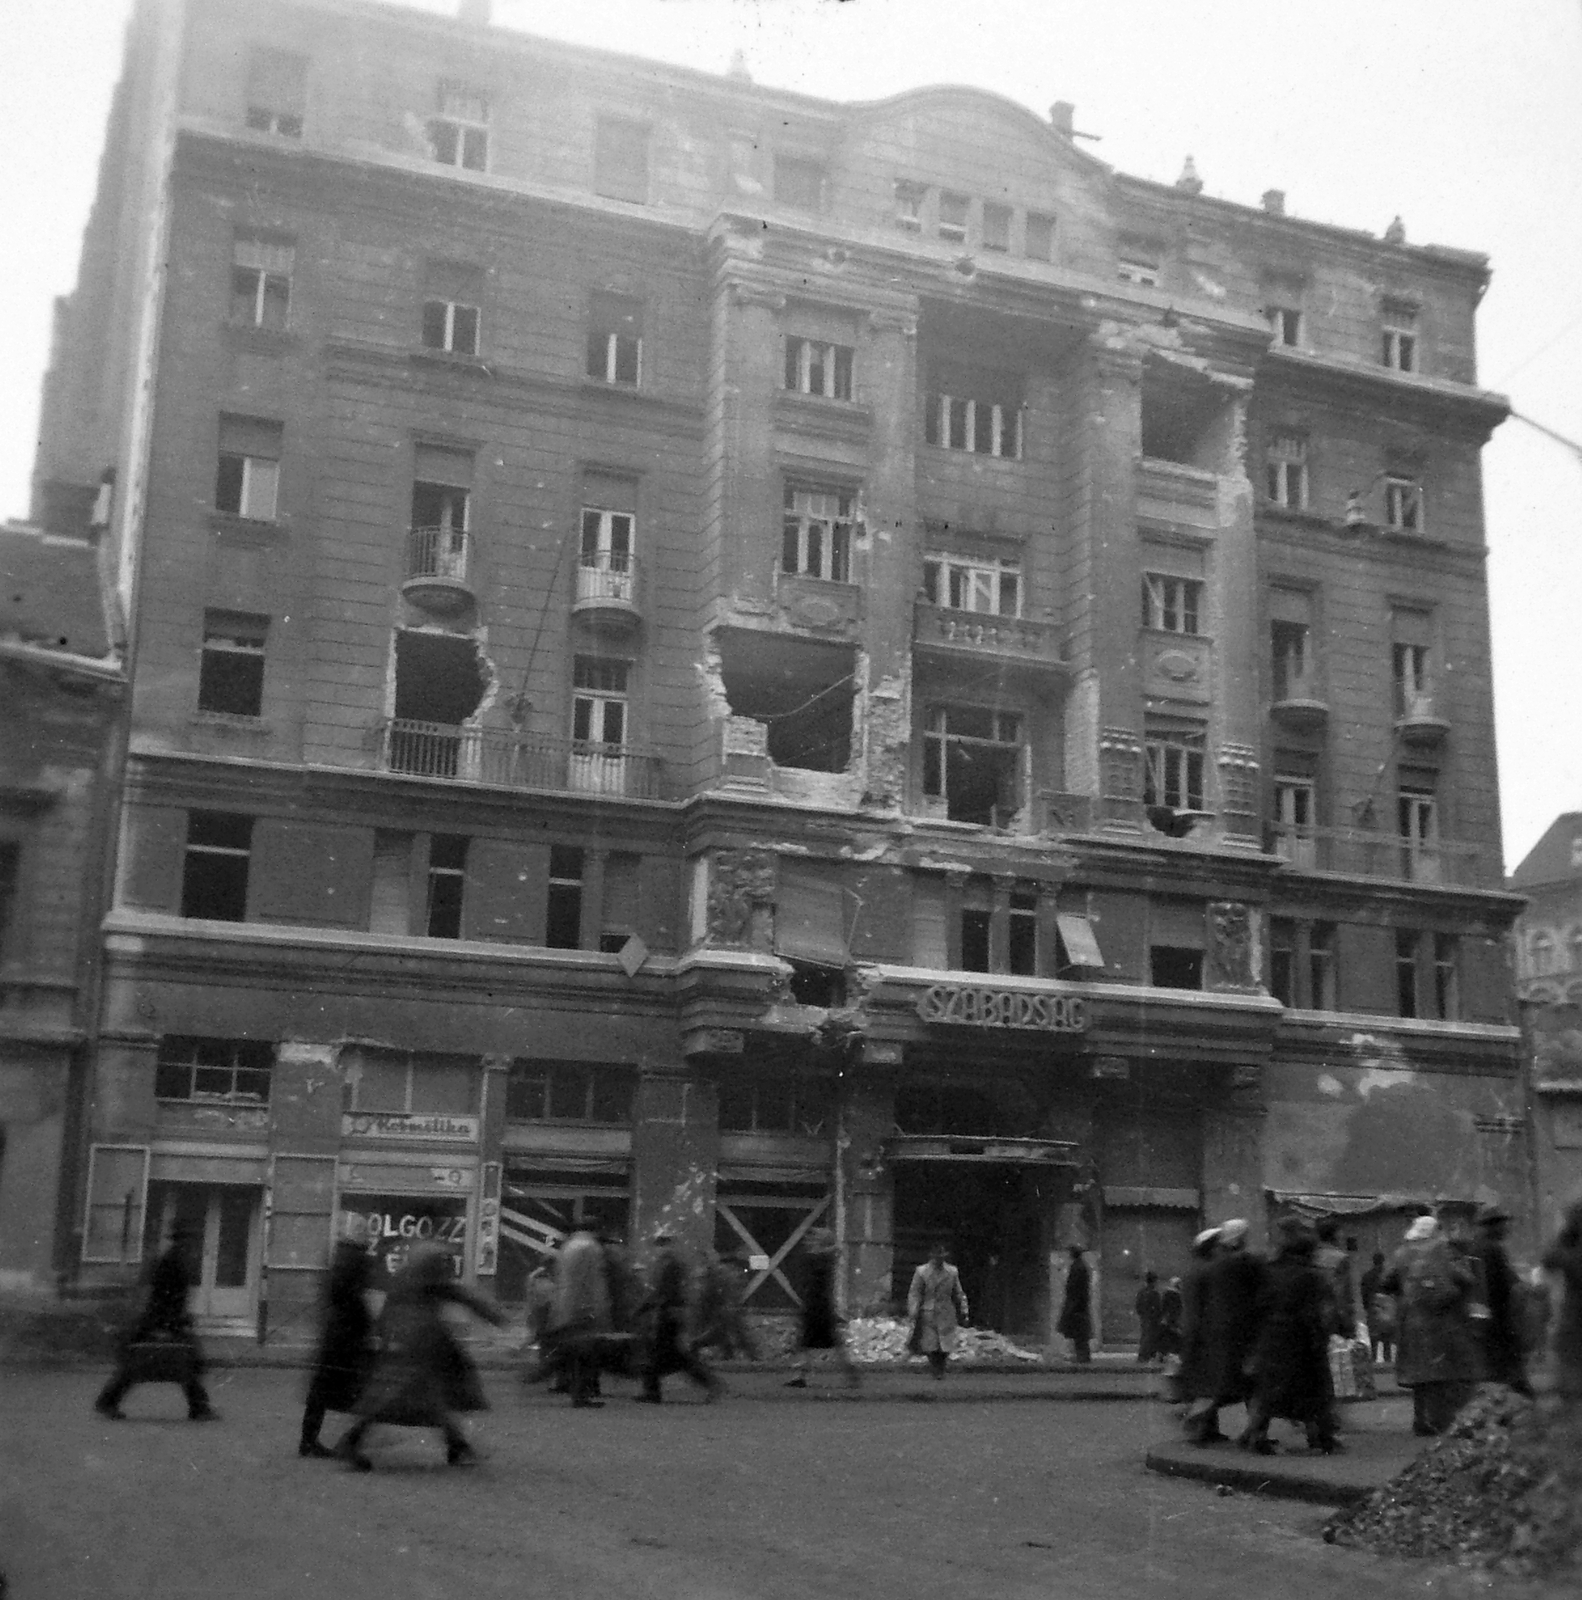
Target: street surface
(763,1496)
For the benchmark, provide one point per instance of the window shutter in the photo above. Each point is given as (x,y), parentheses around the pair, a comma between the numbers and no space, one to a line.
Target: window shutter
(250,436)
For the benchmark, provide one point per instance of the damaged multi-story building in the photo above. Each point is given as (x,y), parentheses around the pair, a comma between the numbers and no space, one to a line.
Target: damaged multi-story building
(711,657)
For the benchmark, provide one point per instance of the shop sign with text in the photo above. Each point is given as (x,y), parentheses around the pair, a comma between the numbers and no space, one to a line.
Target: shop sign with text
(1003,1008)
(408,1125)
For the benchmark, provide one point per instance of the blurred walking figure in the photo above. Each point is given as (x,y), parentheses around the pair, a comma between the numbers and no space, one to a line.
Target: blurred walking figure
(162,1346)
(670,1346)
(1076,1308)
(1149,1306)
(1504,1336)
(1225,1332)
(1436,1354)
(540,1297)
(935,1303)
(721,1317)
(579,1317)
(1380,1310)
(345,1344)
(423,1376)
(821,1326)
(1290,1363)
(1564,1257)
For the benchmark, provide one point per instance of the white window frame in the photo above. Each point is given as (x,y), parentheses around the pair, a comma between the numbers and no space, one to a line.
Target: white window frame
(1172,604)
(817,367)
(909,199)
(819,522)
(1401,348)
(1141,274)
(613,340)
(954,232)
(268,265)
(463,113)
(1403,503)
(601,552)
(1411,667)
(594,704)
(978,581)
(448,337)
(1176,770)
(955,425)
(1285,471)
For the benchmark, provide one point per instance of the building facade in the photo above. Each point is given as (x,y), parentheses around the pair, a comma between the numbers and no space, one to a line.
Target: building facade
(711,657)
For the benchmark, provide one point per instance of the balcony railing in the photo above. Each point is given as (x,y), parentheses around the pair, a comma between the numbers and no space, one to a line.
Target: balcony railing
(519,760)
(607,587)
(1367,854)
(1012,640)
(1298,700)
(438,568)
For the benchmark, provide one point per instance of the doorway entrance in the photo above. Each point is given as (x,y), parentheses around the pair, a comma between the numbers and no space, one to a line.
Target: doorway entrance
(220,1223)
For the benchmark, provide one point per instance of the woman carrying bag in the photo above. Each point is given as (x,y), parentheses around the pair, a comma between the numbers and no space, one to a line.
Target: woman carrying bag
(935,1304)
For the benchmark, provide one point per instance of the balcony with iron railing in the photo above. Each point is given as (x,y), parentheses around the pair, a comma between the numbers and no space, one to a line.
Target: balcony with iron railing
(958,637)
(1298,702)
(1418,720)
(505,758)
(606,592)
(1362,852)
(439,569)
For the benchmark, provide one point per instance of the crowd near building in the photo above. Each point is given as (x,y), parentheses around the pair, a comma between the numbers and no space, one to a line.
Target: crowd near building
(704,657)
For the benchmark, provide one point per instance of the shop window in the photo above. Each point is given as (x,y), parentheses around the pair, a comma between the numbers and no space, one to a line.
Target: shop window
(214,868)
(909,198)
(563,916)
(447,884)
(459,135)
(802,690)
(620,159)
(973,760)
(1170,604)
(799,183)
(1172,967)
(1039,238)
(781,1103)
(569,1091)
(969,583)
(247,481)
(953,212)
(277,86)
(615,338)
(996,226)
(415,1084)
(815,367)
(233,1071)
(816,532)
(1285,471)
(231,669)
(261,269)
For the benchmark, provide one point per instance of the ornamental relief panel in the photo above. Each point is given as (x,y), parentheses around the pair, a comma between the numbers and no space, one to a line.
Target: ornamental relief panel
(1177,666)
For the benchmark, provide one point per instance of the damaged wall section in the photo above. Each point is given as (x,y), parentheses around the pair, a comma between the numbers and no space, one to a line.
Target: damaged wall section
(802,690)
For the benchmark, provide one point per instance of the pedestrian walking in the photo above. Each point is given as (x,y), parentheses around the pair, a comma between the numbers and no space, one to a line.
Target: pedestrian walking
(1436,1353)
(422,1376)
(721,1318)
(935,1304)
(1351,1319)
(1379,1309)
(1564,1259)
(821,1327)
(345,1353)
(1149,1306)
(1290,1361)
(1076,1308)
(1504,1337)
(1231,1294)
(1191,1377)
(580,1316)
(1171,1309)
(162,1346)
(669,1345)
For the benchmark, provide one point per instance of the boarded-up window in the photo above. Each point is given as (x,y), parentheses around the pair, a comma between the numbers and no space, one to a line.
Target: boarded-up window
(390,894)
(117,1199)
(810,914)
(929,946)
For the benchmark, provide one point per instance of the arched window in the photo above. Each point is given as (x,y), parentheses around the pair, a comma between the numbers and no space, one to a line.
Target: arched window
(1541,952)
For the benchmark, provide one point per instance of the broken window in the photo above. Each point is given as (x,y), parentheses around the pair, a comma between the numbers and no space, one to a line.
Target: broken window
(1183,416)
(233,1070)
(277,86)
(447,882)
(1171,604)
(261,268)
(1022,933)
(816,532)
(1403,504)
(563,910)
(214,868)
(459,135)
(231,671)
(801,689)
(799,182)
(615,338)
(813,984)
(1170,967)
(977,924)
(1039,242)
(996,226)
(1173,769)
(1399,337)
(439,682)
(814,367)
(247,481)
(620,159)
(441,506)
(974,583)
(972,763)
(980,412)
(1285,471)
(953,210)
(909,198)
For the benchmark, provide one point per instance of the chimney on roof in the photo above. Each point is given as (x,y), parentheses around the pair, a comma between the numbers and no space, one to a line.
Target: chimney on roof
(1395,233)
(474,11)
(1274,202)
(1189,182)
(1062,115)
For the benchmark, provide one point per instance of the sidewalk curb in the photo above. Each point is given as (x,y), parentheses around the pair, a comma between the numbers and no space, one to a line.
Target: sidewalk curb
(1259,1480)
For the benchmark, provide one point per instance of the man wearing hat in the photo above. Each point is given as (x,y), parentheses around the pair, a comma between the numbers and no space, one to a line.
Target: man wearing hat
(1503,1358)
(670,1347)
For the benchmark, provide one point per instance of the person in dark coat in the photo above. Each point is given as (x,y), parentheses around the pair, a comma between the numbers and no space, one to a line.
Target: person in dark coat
(1149,1306)
(165,1321)
(1192,1378)
(423,1376)
(1564,1259)
(1504,1344)
(1172,1306)
(820,1326)
(1436,1352)
(1290,1362)
(722,1321)
(1381,1332)
(1076,1308)
(670,1347)
(1227,1331)
(345,1344)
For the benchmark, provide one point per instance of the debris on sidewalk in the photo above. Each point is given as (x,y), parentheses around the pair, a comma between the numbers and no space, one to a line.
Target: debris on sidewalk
(1502,1490)
(882,1339)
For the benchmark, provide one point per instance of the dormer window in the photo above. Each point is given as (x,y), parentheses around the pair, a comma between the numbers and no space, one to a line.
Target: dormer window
(1399,337)
(277,93)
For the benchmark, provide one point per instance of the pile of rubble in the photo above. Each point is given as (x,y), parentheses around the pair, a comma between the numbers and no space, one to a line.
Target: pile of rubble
(882,1339)
(1501,1490)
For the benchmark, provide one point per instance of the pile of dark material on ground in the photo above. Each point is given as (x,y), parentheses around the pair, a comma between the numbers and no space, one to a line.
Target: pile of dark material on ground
(1501,1490)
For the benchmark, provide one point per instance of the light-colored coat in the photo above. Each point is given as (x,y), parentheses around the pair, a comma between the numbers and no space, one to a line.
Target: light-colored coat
(935,1304)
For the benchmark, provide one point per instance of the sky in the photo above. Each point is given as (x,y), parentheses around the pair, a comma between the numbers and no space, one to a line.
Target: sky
(1463,117)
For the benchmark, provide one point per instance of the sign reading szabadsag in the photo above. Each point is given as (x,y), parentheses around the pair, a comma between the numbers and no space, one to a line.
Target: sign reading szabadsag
(1003,1008)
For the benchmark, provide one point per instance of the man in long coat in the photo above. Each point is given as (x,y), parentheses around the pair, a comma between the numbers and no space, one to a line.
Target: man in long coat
(670,1346)
(934,1303)
(1504,1342)
(580,1315)
(1564,1258)
(1149,1307)
(1290,1362)
(1076,1308)
(1436,1352)
(1232,1289)
(345,1343)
